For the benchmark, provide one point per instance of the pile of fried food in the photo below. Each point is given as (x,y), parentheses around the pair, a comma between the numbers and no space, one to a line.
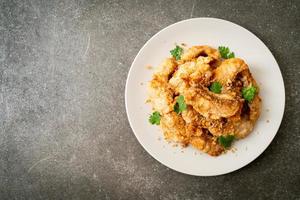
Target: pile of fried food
(204,97)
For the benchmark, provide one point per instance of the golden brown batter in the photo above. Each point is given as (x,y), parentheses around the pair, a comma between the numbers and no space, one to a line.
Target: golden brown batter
(199,97)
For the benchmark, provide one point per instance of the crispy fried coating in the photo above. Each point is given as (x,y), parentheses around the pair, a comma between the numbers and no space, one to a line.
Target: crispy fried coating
(196,51)
(208,115)
(211,105)
(228,70)
(235,74)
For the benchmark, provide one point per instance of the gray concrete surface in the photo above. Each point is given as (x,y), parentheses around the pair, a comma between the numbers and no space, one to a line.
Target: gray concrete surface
(64,133)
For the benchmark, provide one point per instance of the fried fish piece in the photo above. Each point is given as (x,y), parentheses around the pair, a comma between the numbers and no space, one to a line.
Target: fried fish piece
(214,126)
(160,96)
(228,70)
(190,74)
(207,144)
(243,127)
(244,121)
(165,69)
(211,105)
(177,130)
(208,104)
(173,127)
(159,92)
(196,51)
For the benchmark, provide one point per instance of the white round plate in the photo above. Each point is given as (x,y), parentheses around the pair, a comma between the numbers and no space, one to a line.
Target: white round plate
(213,32)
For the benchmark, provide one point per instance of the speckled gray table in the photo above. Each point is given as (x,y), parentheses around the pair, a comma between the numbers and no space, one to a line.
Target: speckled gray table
(64,133)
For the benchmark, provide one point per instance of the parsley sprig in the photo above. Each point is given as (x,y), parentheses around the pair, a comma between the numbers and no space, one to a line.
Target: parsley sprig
(176,52)
(155,118)
(248,93)
(180,105)
(225,52)
(216,87)
(226,141)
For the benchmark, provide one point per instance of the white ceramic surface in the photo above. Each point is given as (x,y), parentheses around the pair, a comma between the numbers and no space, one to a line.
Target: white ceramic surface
(213,32)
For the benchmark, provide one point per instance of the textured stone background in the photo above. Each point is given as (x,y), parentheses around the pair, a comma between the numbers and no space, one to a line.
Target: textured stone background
(64,133)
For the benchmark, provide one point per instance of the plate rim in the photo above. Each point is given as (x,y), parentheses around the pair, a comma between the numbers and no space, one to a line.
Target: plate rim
(130,71)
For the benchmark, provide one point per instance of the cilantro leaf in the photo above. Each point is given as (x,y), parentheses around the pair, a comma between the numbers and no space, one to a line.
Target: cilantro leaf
(225,52)
(180,105)
(231,55)
(216,87)
(226,141)
(155,118)
(176,52)
(248,93)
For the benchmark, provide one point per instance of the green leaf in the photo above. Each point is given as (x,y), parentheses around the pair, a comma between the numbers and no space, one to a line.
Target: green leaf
(216,87)
(231,55)
(176,52)
(225,52)
(155,118)
(226,141)
(248,93)
(180,105)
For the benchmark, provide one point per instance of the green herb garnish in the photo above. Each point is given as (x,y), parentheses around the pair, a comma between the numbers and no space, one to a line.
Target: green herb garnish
(155,118)
(248,93)
(176,52)
(216,87)
(226,141)
(180,105)
(225,52)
